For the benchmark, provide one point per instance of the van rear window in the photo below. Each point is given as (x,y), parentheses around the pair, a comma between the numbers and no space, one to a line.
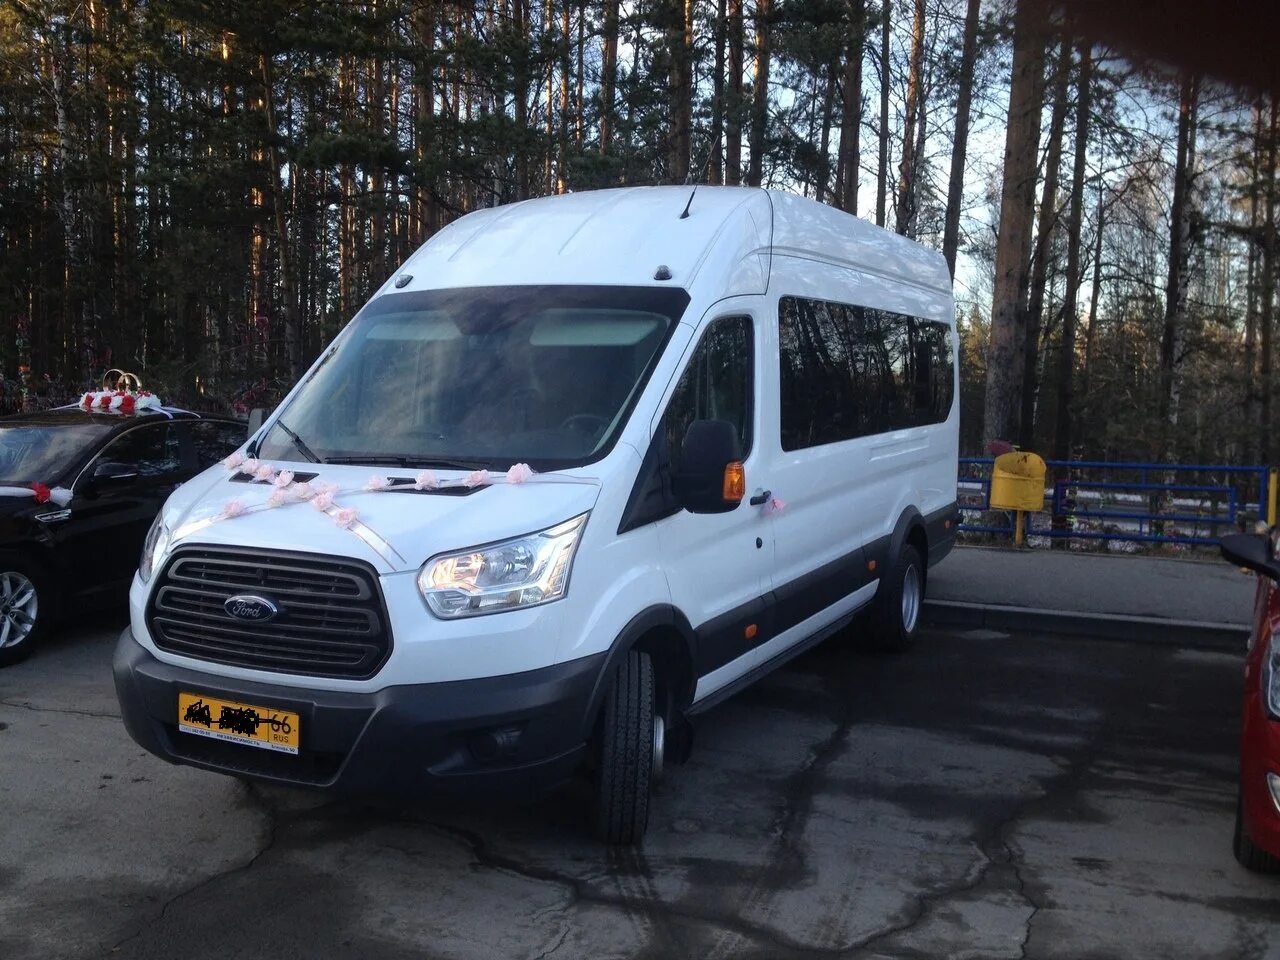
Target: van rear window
(850,371)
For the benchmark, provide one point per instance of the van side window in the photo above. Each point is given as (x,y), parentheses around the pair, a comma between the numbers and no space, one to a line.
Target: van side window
(716,385)
(850,371)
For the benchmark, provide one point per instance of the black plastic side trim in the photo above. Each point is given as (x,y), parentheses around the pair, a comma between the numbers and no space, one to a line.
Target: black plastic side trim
(773,663)
(940,527)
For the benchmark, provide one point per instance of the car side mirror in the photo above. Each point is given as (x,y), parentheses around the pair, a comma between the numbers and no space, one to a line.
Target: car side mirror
(711,478)
(109,471)
(1252,551)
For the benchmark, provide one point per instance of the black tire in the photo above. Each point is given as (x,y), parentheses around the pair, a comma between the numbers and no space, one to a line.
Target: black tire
(626,738)
(894,625)
(1249,856)
(16,570)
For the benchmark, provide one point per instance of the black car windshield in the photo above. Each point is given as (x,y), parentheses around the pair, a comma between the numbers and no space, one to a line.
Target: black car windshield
(40,453)
(481,377)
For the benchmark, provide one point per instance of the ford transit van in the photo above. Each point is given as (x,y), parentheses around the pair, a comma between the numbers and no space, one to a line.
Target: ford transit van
(583,467)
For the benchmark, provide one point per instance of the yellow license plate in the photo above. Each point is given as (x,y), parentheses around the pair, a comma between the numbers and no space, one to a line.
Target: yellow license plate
(262,727)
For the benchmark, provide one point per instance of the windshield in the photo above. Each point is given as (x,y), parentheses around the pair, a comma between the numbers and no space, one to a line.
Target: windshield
(32,453)
(481,377)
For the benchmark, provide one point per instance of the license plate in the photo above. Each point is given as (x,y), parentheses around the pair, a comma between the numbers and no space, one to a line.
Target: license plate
(262,727)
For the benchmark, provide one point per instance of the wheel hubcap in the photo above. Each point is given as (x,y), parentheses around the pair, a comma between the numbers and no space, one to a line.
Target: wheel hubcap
(659,746)
(910,599)
(18,608)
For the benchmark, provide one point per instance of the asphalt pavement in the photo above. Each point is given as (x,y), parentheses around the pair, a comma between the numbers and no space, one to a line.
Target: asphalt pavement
(990,794)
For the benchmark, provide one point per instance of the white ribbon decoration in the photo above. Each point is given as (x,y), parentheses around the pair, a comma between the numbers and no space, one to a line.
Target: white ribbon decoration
(57,495)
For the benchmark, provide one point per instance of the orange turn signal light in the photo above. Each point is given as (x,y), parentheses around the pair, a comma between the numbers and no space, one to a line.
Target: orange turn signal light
(751,631)
(735,483)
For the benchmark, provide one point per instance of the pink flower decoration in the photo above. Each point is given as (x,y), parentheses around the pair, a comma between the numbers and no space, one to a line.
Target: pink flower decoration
(231,509)
(345,518)
(426,480)
(302,491)
(377,483)
(329,488)
(519,473)
(776,505)
(279,497)
(249,466)
(265,472)
(283,479)
(234,461)
(322,501)
(477,479)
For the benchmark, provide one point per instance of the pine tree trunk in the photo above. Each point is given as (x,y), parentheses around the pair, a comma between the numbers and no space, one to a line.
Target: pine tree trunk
(680,85)
(906,205)
(566,71)
(1248,438)
(960,141)
(1095,295)
(760,93)
(882,168)
(1013,236)
(1046,226)
(733,101)
(608,75)
(292,331)
(1075,221)
(426,214)
(1267,286)
(848,159)
(716,172)
(823,171)
(1177,279)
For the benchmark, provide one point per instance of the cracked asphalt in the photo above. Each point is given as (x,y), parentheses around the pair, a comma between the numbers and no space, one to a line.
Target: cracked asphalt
(988,795)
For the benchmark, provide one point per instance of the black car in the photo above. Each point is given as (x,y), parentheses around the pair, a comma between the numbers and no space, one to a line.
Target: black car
(78,492)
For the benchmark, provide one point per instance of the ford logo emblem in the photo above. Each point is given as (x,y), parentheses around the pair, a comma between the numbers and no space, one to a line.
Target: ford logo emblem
(245,606)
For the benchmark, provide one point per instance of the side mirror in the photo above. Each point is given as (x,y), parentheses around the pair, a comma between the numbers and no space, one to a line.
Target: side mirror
(1252,551)
(711,479)
(108,471)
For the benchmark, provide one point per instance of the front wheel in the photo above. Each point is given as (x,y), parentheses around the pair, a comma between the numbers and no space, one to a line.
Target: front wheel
(630,738)
(895,612)
(22,621)
(1249,856)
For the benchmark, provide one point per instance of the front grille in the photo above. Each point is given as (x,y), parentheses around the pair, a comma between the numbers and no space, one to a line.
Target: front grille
(331,620)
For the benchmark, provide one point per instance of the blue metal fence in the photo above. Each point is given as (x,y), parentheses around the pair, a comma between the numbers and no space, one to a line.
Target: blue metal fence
(1140,502)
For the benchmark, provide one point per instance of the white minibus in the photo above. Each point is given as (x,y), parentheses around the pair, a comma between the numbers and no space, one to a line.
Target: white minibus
(583,467)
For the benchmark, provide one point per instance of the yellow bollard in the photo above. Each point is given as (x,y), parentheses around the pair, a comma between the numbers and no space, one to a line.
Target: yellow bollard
(1273,483)
(1020,529)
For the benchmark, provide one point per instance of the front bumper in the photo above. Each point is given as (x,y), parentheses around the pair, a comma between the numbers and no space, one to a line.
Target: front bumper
(1260,756)
(525,729)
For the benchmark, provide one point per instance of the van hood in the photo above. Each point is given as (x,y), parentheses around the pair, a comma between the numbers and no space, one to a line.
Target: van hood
(394,531)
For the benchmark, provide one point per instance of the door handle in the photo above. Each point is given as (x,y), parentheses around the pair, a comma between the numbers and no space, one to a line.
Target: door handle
(761,498)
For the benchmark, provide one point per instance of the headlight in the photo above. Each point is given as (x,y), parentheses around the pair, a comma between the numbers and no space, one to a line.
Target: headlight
(154,546)
(523,572)
(1271,676)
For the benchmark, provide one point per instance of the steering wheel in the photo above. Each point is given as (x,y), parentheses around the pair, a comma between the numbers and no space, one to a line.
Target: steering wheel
(590,423)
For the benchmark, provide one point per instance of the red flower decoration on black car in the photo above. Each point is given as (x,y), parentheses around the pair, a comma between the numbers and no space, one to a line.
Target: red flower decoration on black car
(41,492)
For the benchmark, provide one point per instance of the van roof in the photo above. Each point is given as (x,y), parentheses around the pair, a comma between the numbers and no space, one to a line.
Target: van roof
(622,236)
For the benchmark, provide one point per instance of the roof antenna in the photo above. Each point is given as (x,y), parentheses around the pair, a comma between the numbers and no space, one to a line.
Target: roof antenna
(685,215)
(702,175)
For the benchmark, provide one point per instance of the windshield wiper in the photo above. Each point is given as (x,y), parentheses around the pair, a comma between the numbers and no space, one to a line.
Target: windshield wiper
(299,443)
(407,461)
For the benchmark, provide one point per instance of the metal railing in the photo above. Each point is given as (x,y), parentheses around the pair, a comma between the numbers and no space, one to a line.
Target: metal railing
(1139,502)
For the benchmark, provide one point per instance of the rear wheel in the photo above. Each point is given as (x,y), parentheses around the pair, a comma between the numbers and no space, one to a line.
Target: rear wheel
(632,743)
(1249,856)
(895,614)
(22,619)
